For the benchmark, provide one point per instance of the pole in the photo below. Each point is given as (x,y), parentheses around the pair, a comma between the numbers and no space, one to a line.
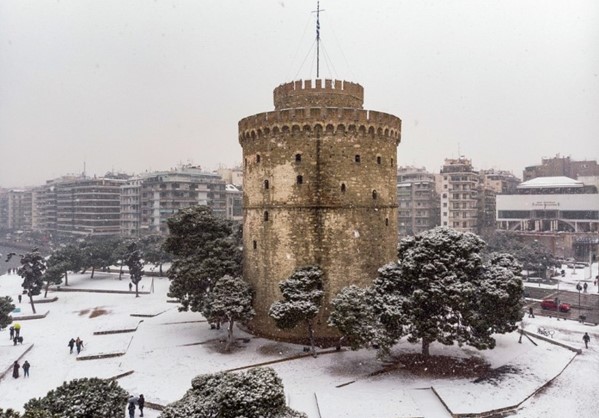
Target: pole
(317,39)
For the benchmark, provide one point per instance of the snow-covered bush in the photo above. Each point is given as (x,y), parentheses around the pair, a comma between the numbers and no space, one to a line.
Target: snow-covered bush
(255,393)
(80,398)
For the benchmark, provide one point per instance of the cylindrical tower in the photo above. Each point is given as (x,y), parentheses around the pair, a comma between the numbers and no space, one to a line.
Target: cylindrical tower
(319,188)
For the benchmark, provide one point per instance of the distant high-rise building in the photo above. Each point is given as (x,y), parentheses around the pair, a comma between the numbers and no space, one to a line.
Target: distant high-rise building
(561,166)
(500,181)
(418,202)
(164,193)
(19,209)
(131,207)
(459,185)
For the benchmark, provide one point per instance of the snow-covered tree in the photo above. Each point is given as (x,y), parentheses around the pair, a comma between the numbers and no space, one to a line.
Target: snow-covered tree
(98,252)
(81,398)
(448,295)
(152,247)
(134,264)
(253,394)
(205,248)
(66,258)
(6,307)
(230,301)
(52,275)
(9,413)
(302,297)
(32,271)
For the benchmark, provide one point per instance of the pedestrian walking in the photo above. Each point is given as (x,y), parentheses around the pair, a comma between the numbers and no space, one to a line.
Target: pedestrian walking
(71,344)
(17,329)
(15,340)
(140,403)
(586,339)
(26,367)
(20,297)
(585,286)
(15,369)
(12,333)
(531,313)
(131,409)
(79,345)
(130,286)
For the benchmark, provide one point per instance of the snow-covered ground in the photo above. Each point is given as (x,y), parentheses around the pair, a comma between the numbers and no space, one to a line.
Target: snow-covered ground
(167,350)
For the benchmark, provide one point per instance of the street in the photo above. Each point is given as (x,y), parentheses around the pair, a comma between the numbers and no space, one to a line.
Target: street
(589,303)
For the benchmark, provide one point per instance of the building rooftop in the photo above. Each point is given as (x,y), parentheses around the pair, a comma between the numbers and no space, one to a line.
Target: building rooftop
(546,182)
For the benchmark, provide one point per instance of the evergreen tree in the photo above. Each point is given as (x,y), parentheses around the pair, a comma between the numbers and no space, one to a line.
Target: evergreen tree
(53,275)
(152,247)
(81,398)
(9,413)
(6,307)
(120,253)
(302,297)
(230,301)
(98,253)
(68,258)
(135,266)
(447,294)
(256,393)
(204,248)
(32,271)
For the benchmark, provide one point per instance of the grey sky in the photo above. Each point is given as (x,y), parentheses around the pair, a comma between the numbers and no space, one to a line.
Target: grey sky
(140,85)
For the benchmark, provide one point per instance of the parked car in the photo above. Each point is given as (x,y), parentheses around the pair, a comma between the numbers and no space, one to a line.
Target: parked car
(551,305)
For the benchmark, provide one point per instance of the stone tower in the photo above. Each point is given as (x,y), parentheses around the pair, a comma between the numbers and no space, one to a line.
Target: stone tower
(319,188)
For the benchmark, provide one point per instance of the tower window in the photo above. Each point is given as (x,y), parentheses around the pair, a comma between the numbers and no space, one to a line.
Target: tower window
(245,162)
(298,158)
(266,184)
(343,188)
(378,159)
(257,158)
(357,158)
(265,216)
(255,244)
(386,221)
(300,179)
(374,194)
(391,162)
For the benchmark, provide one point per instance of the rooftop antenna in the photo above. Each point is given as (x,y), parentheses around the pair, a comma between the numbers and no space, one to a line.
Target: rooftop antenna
(317,11)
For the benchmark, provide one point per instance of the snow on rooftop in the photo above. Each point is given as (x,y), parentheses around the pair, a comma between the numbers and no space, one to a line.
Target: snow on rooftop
(544,182)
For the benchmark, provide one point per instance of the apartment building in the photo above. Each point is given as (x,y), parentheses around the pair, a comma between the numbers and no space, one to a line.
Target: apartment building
(164,193)
(130,219)
(561,166)
(459,185)
(417,200)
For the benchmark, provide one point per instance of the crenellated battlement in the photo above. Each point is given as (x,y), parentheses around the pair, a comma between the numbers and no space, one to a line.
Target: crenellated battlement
(324,119)
(331,93)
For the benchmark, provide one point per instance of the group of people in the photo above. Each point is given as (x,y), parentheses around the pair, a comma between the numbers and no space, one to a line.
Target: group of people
(140,401)
(16,366)
(12,270)
(15,334)
(78,343)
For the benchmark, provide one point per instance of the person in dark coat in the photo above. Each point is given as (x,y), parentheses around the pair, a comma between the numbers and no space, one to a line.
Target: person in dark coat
(26,367)
(79,345)
(20,298)
(140,403)
(12,332)
(531,313)
(71,344)
(131,409)
(15,369)
(15,340)
(586,338)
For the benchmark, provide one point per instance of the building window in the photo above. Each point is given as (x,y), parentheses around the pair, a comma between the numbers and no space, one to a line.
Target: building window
(343,188)
(257,158)
(391,162)
(374,195)
(357,158)
(379,160)
(255,244)
(386,221)
(444,224)
(444,204)
(266,184)
(265,216)
(298,158)
(300,179)
(245,162)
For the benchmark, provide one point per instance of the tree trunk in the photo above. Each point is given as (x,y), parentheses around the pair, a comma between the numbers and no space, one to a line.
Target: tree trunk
(121,271)
(66,278)
(229,335)
(93,271)
(136,289)
(32,305)
(160,269)
(425,347)
(311,334)
(47,287)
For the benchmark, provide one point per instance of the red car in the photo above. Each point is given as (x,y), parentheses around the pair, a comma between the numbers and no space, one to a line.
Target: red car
(550,304)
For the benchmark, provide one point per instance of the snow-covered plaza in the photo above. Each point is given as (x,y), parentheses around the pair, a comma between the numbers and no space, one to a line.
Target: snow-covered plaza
(163,349)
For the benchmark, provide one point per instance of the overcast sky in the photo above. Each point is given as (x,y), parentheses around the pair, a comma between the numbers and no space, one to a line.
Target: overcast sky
(146,85)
